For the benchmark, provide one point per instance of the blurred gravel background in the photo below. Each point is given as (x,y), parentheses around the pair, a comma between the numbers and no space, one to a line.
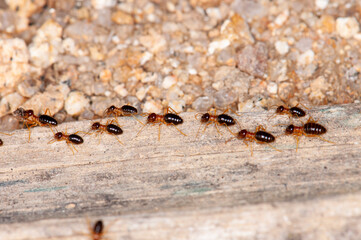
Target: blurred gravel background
(79,57)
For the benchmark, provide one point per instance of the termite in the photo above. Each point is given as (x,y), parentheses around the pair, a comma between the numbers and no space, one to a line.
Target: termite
(170,117)
(310,129)
(219,120)
(260,136)
(125,110)
(109,128)
(295,112)
(31,120)
(71,139)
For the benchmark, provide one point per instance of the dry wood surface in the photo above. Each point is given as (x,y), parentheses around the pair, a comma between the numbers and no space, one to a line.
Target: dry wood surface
(186,187)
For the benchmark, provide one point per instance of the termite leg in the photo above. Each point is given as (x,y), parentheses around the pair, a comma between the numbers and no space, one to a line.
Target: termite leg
(178,129)
(141,130)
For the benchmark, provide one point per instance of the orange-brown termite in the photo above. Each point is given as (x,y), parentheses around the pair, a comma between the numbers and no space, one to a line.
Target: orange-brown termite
(31,120)
(170,117)
(310,129)
(70,139)
(222,119)
(125,110)
(109,128)
(260,136)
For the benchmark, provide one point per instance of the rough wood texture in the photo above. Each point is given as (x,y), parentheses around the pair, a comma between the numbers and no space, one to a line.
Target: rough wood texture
(186,187)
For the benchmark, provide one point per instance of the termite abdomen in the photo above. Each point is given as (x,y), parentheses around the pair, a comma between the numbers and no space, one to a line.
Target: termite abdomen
(45,119)
(263,136)
(314,128)
(76,139)
(173,118)
(114,129)
(226,119)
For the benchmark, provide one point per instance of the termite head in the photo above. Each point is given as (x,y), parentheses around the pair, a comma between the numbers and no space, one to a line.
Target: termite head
(96,126)
(58,135)
(242,134)
(19,112)
(110,110)
(280,109)
(152,117)
(205,118)
(290,129)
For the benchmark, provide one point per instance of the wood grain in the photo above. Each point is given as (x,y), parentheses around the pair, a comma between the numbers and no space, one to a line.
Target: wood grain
(157,187)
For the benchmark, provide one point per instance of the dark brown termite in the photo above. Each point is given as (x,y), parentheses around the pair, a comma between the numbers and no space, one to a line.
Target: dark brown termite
(310,129)
(109,128)
(170,117)
(260,136)
(222,119)
(295,111)
(125,110)
(31,120)
(71,139)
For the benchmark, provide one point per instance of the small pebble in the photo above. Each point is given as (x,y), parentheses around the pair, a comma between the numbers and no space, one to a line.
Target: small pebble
(105,75)
(13,65)
(169,81)
(347,27)
(218,45)
(224,98)
(121,90)
(282,47)
(46,45)
(52,98)
(100,4)
(282,18)
(202,104)
(253,59)
(306,58)
(152,106)
(76,103)
(272,87)
(120,17)
(142,91)
(236,29)
(321,4)
(178,106)
(10,103)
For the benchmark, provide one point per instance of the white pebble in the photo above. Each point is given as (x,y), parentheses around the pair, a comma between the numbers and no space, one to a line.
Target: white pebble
(146,57)
(76,103)
(178,105)
(218,45)
(168,81)
(192,71)
(272,88)
(214,13)
(120,90)
(99,4)
(306,58)
(140,94)
(347,27)
(282,47)
(281,19)
(321,4)
(14,63)
(68,45)
(46,45)
(152,107)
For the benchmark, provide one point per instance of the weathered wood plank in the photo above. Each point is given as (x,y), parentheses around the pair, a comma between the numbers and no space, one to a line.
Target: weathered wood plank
(325,218)
(176,174)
